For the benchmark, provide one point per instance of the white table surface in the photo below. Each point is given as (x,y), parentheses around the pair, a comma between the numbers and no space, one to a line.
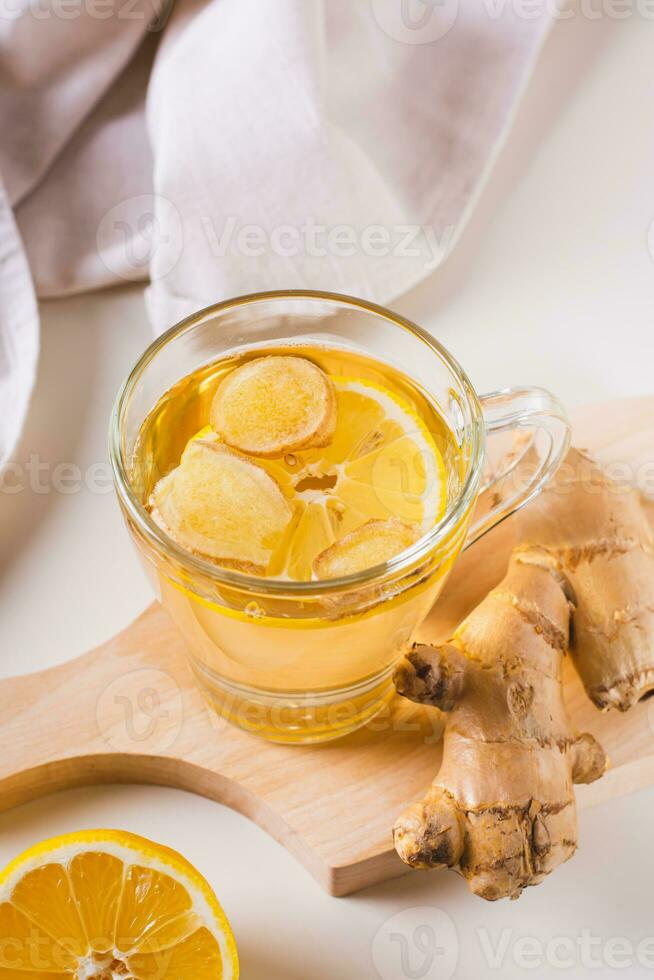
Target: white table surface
(553,284)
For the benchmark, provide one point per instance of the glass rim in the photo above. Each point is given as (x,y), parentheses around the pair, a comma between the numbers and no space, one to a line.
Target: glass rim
(254,583)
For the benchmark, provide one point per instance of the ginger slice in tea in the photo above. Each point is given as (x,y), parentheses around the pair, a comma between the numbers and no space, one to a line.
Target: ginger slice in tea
(371,544)
(275,405)
(222,506)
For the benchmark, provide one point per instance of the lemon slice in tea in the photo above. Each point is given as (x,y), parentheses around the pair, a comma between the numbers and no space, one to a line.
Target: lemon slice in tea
(100,905)
(381,465)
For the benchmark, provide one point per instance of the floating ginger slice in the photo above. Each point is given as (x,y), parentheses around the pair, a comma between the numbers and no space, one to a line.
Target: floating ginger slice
(275,405)
(371,544)
(222,506)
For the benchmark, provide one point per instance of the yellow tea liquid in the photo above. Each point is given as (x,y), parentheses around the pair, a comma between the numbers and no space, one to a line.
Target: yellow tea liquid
(310,667)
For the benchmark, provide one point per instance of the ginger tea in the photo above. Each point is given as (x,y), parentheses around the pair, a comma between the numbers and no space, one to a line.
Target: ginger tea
(298,464)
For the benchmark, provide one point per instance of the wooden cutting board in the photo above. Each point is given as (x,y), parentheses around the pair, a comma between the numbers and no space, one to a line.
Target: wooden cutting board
(129,712)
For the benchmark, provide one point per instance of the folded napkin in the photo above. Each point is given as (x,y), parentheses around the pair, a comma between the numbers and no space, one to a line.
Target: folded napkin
(19,331)
(225,146)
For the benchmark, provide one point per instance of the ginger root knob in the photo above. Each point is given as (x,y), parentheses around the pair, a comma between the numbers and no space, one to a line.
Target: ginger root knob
(502,809)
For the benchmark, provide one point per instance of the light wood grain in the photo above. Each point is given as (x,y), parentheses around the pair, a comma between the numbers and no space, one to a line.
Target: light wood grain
(130,712)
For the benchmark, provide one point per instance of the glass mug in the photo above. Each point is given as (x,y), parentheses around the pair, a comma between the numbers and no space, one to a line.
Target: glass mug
(309,661)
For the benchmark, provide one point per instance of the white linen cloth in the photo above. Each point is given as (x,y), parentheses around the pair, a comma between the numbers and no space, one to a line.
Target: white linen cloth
(226,146)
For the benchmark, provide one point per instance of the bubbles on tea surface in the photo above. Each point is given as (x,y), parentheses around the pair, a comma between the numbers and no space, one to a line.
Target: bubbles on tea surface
(254,610)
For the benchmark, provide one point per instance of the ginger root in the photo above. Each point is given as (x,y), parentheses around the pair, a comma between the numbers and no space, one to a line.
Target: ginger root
(599,538)
(502,809)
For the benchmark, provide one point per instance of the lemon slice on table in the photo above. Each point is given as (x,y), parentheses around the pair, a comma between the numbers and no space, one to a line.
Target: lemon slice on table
(107,905)
(382,465)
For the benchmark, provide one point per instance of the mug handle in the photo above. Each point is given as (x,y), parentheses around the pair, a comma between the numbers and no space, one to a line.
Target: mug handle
(518,469)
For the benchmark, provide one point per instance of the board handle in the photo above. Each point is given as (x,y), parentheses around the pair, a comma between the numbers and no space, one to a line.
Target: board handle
(43,724)
(105,716)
